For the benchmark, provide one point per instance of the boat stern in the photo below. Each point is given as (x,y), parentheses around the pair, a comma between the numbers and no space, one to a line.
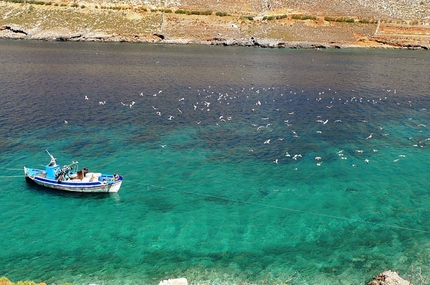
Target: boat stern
(30,173)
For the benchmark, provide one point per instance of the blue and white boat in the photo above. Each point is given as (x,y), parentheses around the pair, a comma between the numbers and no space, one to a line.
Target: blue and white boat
(69,178)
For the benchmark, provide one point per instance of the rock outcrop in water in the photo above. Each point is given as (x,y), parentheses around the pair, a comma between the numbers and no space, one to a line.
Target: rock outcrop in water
(176,281)
(389,278)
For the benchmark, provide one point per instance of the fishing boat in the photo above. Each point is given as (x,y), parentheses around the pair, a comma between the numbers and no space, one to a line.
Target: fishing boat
(69,178)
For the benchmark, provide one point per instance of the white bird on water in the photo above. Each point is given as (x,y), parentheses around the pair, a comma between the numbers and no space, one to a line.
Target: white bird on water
(297,156)
(86,97)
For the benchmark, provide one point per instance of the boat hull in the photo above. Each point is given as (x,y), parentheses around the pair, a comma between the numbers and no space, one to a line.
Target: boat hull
(108,186)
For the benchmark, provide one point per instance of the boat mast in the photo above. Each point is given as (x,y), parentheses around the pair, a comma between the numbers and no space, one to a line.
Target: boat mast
(53,160)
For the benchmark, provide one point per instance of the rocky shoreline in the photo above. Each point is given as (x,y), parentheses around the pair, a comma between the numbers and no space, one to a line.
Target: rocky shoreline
(90,22)
(17,33)
(385,278)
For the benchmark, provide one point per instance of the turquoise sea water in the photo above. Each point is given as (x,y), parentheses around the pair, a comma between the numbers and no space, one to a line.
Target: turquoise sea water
(239,164)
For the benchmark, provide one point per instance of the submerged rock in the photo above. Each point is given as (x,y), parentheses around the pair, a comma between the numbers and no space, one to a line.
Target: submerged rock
(389,278)
(177,281)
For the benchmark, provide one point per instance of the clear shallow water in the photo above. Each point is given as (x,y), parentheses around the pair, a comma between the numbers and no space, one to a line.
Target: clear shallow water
(212,189)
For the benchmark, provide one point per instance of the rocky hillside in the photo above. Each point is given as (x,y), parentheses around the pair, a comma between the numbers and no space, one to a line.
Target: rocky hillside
(267,23)
(393,9)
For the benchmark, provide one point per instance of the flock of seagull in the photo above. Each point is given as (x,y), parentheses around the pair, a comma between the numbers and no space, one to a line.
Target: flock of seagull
(252,103)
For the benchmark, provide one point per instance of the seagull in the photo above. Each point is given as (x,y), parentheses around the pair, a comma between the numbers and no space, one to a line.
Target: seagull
(66,122)
(86,97)
(296,156)
(370,136)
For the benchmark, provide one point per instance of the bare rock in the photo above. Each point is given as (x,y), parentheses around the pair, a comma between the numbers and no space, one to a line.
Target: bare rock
(389,278)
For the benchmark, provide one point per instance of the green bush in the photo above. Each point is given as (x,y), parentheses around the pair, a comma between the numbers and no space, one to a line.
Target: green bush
(181,12)
(15,1)
(221,14)
(207,12)
(345,20)
(309,17)
(268,18)
(36,2)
